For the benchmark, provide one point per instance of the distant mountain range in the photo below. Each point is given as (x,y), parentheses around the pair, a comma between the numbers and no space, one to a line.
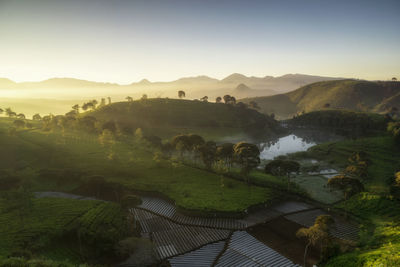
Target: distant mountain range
(195,87)
(355,95)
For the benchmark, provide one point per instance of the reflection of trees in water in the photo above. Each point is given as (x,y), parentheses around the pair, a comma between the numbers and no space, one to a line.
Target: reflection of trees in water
(268,143)
(317,136)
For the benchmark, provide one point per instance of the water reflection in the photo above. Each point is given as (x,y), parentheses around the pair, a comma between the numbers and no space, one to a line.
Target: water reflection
(284,145)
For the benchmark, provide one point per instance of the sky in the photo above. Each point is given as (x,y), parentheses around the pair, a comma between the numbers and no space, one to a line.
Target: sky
(125,41)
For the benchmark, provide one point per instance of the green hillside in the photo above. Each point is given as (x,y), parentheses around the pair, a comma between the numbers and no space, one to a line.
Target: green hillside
(168,117)
(342,94)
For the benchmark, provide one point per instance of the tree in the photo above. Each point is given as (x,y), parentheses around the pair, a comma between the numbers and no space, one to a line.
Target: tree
(109,100)
(36,117)
(316,234)
(144,97)
(225,153)
(282,167)
(207,152)
(181,143)
(218,99)
(102,102)
(1,111)
(226,98)
(348,185)
(181,94)
(10,113)
(204,99)
(95,185)
(129,99)
(21,116)
(394,79)
(19,123)
(248,156)
(76,108)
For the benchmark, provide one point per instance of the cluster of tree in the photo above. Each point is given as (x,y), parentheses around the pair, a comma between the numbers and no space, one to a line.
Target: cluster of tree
(341,119)
(358,164)
(245,155)
(282,167)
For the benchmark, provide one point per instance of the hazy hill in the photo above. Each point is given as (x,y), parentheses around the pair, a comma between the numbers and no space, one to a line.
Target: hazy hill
(343,94)
(173,113)
(195,87)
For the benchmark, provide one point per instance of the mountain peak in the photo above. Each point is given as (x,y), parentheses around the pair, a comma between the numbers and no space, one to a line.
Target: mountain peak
(242,87)
(144,81)
(234,77)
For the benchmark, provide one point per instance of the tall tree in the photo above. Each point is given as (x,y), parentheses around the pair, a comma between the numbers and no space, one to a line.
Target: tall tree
(129,99)
(316,234)
(21,116)
(76,108)
(218,99)
(247,156)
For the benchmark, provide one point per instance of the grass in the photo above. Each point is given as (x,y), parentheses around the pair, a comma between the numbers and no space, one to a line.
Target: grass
(52,219)
(132,165)
(380,235)
(381,151)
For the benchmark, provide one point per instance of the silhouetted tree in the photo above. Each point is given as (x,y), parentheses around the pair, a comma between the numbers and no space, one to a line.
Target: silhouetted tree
(394,79)
(129,99)
(218,99)
(21,116)
(181,94)
(227,99)
(76,108)
(144,97)
(109,100)
(1,111)
(10,113)
(204,99)
(102,102)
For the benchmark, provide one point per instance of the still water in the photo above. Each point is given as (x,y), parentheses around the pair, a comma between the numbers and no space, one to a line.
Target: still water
(284,145)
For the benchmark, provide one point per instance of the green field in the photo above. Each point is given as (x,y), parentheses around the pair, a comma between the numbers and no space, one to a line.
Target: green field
(132,165)
(381,151)
(48,229)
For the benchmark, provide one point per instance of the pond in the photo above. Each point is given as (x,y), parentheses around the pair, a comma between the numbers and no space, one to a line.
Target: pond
(296,141)
(284,145)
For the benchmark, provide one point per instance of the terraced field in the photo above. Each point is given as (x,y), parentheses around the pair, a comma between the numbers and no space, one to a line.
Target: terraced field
(245,250)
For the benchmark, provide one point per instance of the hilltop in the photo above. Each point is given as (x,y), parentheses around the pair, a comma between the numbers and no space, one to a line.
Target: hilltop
(161,115)
(341,94)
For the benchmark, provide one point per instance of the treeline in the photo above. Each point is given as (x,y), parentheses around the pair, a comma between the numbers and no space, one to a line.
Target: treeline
(207,154)
(341,119)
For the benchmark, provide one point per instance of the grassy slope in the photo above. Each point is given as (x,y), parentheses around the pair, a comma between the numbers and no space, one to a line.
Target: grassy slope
(48,220)
(133,166)
(382,152)
(349,94)
(168,117)
(378,214)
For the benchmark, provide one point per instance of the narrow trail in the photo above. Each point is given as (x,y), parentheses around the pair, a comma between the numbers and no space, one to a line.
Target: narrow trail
(199,241)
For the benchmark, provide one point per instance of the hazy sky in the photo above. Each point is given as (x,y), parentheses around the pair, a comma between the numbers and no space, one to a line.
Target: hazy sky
(125,41)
